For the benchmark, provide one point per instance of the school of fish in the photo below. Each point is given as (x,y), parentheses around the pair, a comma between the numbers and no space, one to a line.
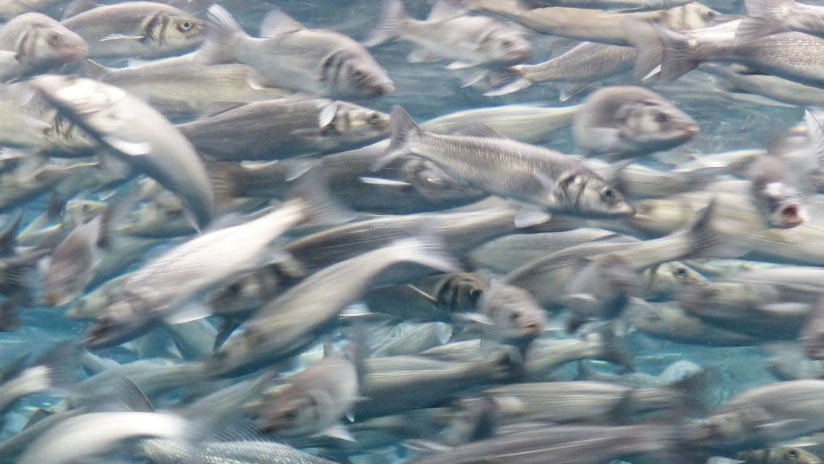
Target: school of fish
(406,231)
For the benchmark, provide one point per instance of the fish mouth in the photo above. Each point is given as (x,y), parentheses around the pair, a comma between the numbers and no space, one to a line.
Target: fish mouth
(76,52)
(381,89)
(691,130)
(790,216)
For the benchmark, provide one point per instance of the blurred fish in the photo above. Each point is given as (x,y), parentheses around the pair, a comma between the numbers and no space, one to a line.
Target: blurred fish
(34,43)
(53,371)
(631,5)
(179,88)
(450,34)
(628,121)
(782,455)
(244,450)
(511,314)
(11,8)
(767,17)
(283,128)
(283,326)
(316,61)
(314,401)
(137,30)
(162,288)
(136,133)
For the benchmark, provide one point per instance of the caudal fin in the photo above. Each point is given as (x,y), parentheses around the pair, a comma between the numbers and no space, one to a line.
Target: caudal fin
(425,249)
(221,34)
(680,54)
(394,15)
(766,17)
(507,81)
(403,129)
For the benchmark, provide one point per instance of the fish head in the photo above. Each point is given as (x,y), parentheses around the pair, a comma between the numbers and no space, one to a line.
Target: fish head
(666,281)
(182,30)
(505,47)
(121,322)
(237,356)
(83,210)
(796,455)
(291,415)
(714,298)
(587,194)
(515,314)
(433,183)
(247,293)
(781,205)
(653,124)
(359,76)
(459,292)
(50,44)
(355,123)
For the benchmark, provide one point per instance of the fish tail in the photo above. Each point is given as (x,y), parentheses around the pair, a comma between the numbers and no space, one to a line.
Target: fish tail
(680,54)
(614,349)
(221,33)
(765,17)
(648,47)
(394,15)
(320,207)
(693,391)
(403,130)
(426,249)
(507,81)
(57,368)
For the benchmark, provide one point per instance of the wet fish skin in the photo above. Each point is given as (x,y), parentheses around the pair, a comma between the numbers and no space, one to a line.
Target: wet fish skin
(449,34)
(277,129)
(170,452)
(346,68)
(33,43)
(10,9)
(628,121)
(136,133)
(534,175)
(137,29)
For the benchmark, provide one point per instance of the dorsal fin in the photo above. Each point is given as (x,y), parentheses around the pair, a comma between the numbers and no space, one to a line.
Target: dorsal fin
(278,23)
(478,129)
(443,10)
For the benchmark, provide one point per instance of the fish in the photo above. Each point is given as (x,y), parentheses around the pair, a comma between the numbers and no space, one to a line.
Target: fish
(72,264)
(512,314)
(627,121)
(137,29)
(768,17)
(337,65)
(185,88)
(33,43)
(10,9)
(162,288)
(622,5)
(283,128)
(314,401)
(135,133)
(168,451)
(286,316)
(536,176)
(449,34)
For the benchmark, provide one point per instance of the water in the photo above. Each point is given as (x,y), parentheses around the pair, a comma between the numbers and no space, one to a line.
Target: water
(425,90)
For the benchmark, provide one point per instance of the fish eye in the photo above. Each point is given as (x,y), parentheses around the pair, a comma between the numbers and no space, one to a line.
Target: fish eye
(609,193)
(680,273)
(507,43)
(234,289)
(358,74)
(710,14)
(474,294)
(792,454)
(374,118)
(661,117)
(514,316)
(54,38)
(185,26)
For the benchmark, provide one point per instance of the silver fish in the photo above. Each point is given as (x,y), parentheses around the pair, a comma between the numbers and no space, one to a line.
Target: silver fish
(283,128)
(534,175)
(316,61)
(137,29)
(314,401)
(449,34)
(628,121)
(33,43)
(161,287)
(71,266)
(283,327)
(136,133)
